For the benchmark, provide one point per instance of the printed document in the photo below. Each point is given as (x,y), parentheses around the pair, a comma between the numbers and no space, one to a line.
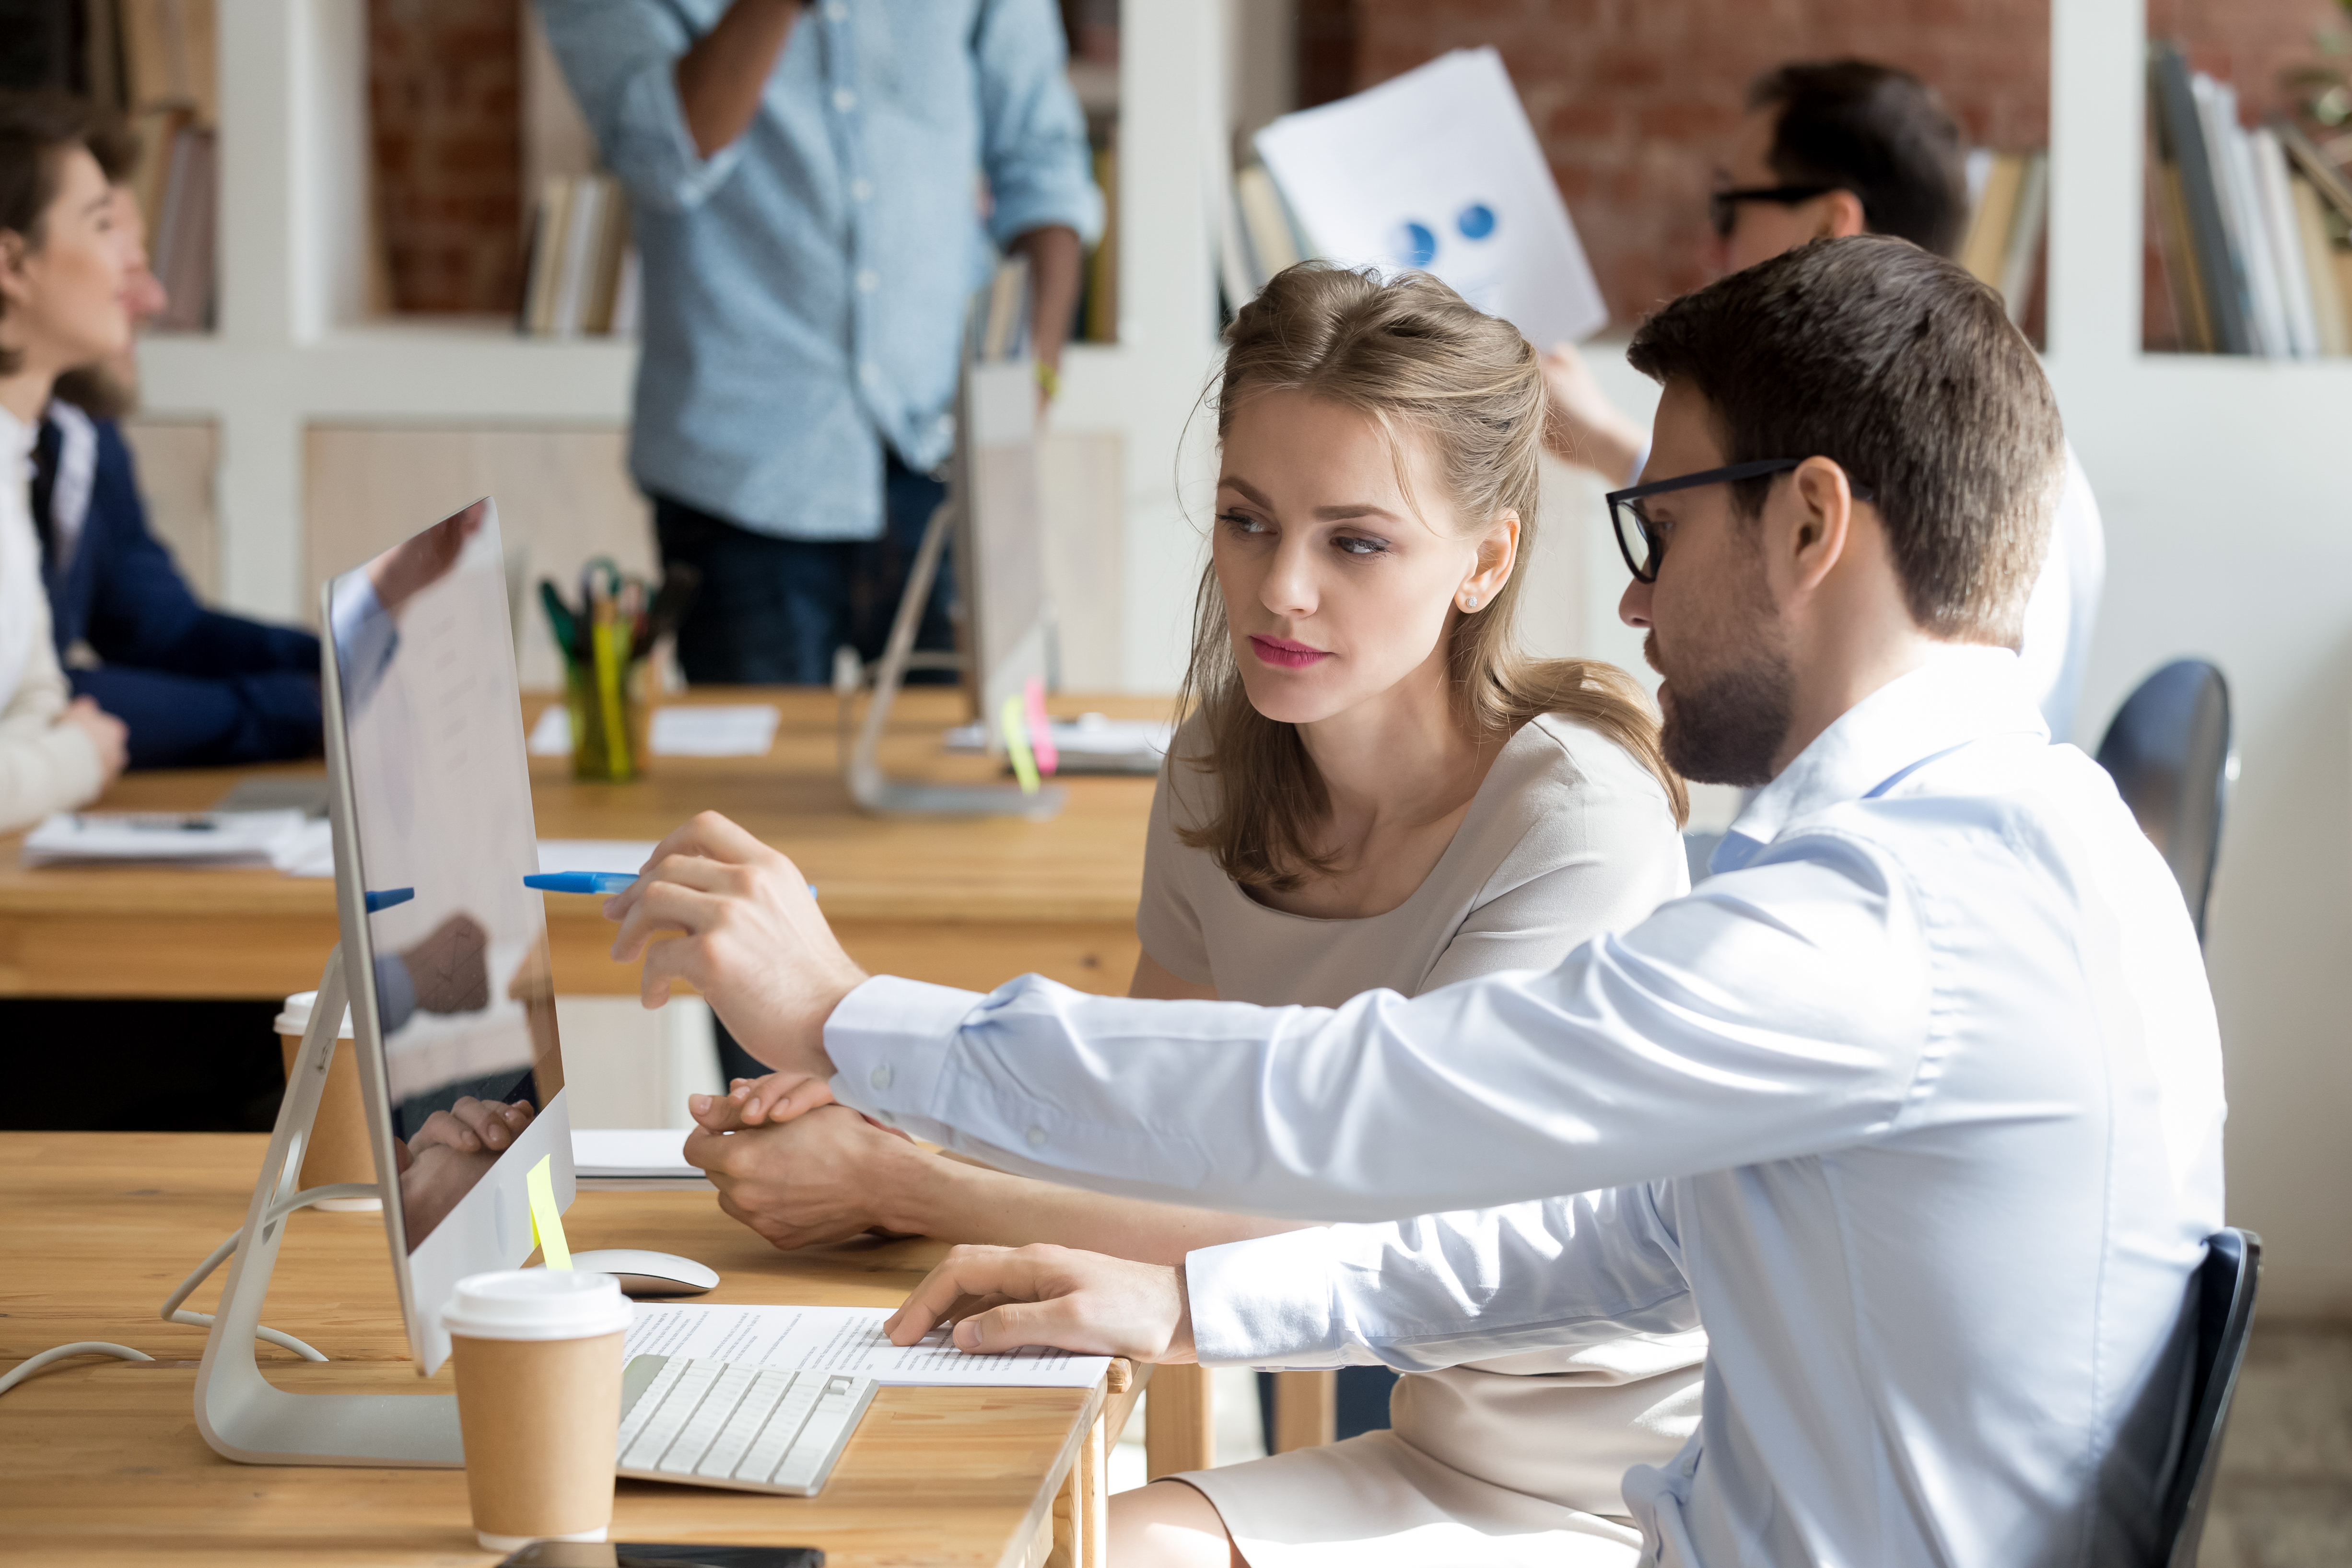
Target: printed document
(845,1339)
(1438,170)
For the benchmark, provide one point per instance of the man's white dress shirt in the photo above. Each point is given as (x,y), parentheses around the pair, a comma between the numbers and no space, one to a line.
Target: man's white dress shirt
(1916,1105)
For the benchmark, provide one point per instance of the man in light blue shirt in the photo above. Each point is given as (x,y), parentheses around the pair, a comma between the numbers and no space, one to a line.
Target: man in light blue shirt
(1914,1106)
(814,190)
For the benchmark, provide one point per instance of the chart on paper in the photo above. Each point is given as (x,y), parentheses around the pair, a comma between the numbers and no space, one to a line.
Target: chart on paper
(845,1339)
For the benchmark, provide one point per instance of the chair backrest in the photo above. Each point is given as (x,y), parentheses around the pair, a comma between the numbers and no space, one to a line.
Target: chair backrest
(2167,750)
(2224,1297)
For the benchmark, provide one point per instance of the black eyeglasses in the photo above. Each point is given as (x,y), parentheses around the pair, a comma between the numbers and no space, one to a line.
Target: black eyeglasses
(1722,206)
(1631,519)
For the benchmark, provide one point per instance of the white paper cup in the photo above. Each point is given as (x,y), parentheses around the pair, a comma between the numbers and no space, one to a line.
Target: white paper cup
(338,1149)
(538,1401)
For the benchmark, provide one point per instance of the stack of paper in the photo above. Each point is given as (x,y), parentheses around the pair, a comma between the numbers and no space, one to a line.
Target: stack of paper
(637,1153)
(1091,743)
(190,838)
(845,1339)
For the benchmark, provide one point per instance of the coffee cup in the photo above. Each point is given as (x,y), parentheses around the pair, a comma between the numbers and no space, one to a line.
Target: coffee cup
(537,1352)
(338,1149)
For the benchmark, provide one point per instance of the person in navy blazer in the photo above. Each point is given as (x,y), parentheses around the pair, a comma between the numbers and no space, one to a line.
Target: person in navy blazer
(195,687)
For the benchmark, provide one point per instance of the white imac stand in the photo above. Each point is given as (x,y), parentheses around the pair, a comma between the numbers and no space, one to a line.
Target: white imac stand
(242,1414)
(992,510)
(465,775)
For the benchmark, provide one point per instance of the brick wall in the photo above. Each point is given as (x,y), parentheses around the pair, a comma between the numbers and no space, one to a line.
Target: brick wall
(1632,99)
(444,86)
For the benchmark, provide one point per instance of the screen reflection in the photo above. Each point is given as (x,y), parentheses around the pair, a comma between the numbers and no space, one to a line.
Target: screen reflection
(463,994)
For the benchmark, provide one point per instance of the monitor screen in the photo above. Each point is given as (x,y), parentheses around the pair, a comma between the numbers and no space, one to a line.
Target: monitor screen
(451,956)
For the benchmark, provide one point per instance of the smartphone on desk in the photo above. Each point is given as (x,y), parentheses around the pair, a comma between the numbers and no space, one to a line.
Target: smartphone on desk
(659,1555)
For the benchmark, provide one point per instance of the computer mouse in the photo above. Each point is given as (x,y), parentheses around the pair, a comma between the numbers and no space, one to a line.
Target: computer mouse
(647,1273)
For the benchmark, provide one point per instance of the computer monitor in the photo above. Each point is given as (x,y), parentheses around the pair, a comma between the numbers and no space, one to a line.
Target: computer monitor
(445,949)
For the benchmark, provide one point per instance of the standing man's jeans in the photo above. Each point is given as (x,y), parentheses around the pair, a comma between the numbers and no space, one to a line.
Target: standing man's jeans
(771,611)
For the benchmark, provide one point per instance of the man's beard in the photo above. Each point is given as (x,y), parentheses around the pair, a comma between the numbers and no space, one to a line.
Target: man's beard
(1726,727)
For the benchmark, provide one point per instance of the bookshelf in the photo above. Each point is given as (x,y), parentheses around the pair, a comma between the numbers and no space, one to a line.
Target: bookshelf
(294,345)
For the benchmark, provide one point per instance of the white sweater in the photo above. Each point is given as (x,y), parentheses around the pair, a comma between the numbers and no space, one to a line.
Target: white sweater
(44,766)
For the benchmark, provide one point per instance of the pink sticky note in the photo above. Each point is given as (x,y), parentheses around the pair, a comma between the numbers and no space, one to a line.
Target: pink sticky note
(1041,729)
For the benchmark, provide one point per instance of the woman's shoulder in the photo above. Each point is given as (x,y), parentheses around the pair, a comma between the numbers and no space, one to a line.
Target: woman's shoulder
(1558,755)
(1564,793)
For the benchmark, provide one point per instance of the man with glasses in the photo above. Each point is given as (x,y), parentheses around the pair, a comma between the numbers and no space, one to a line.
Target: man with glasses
(1915,1106)
(1839,148)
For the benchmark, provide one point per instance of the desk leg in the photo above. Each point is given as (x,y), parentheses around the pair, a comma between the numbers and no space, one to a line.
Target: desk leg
(1179,1433)
(1082,1508)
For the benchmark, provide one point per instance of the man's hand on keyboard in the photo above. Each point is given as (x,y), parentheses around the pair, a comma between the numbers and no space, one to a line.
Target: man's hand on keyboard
(1003,1297)
(750,939)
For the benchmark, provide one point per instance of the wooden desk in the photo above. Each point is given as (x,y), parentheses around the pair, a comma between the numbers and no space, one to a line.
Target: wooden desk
(968,902)
(100,1463)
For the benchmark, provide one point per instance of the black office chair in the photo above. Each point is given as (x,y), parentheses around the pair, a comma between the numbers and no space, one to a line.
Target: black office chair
(2225,1311)
(2169,750)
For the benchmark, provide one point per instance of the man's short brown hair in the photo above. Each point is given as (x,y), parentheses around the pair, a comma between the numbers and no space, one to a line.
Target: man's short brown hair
(1904,370)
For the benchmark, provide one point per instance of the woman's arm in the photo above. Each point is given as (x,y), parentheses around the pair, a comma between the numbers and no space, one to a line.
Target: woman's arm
(832,1175)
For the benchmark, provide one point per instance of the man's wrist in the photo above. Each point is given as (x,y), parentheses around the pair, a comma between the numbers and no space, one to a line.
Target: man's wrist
(1181,1349)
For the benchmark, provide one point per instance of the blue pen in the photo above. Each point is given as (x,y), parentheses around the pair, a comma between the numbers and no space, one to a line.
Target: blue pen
(582,881)
(389,896)
(606,883)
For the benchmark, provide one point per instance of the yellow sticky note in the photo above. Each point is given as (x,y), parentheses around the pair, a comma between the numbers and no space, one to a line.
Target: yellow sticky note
(546,1221)
(1016,741)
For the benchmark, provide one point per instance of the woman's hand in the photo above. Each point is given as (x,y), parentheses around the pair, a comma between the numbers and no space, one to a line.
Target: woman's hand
(750,940)
(1003,1297)
(756,1101)
(109,736)
(828,1176)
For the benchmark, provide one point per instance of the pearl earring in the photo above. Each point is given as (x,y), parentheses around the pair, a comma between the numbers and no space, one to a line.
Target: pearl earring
(1469,601)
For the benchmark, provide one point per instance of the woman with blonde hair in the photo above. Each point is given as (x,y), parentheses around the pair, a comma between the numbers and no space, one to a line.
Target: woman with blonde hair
(1376,788)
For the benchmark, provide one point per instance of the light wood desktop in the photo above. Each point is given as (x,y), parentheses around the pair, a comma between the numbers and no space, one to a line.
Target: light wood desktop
(102,1465)
(959,902)
(967,901)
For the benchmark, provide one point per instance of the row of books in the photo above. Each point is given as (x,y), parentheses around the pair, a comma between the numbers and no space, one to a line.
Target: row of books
(581,276)
(2254,223)
(1258,239)
(2008,221)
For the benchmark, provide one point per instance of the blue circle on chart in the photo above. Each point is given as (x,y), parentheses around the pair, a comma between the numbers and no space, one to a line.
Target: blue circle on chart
(1475,221)
(1415,243)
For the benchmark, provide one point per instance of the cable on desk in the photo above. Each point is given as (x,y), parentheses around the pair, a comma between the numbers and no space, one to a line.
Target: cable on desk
(171,1311)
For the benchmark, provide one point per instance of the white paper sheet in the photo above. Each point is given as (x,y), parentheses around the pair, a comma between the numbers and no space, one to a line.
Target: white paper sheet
(746,730)
(845,1339)
(628,854)
(631,1152)
(197,839)
(1438,169)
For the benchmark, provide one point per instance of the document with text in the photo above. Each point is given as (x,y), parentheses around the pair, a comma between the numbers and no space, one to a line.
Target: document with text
(844,1338)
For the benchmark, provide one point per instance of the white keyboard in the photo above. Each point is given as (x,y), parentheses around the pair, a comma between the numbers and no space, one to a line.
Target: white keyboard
(723,1424)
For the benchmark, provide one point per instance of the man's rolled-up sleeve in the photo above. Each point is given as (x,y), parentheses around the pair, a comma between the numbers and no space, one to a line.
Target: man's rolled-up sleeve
(621,57)
(1442,1289)
(1032,133)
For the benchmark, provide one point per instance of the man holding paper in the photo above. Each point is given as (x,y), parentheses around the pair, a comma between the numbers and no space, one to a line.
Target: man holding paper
(1914,1106)
(1838,148)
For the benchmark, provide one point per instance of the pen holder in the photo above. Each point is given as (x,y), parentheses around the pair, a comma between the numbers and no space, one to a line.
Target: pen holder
(604,694)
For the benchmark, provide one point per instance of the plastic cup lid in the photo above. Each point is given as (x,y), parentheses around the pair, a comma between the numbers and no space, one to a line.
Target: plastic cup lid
(296,1017)
(536,1304)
